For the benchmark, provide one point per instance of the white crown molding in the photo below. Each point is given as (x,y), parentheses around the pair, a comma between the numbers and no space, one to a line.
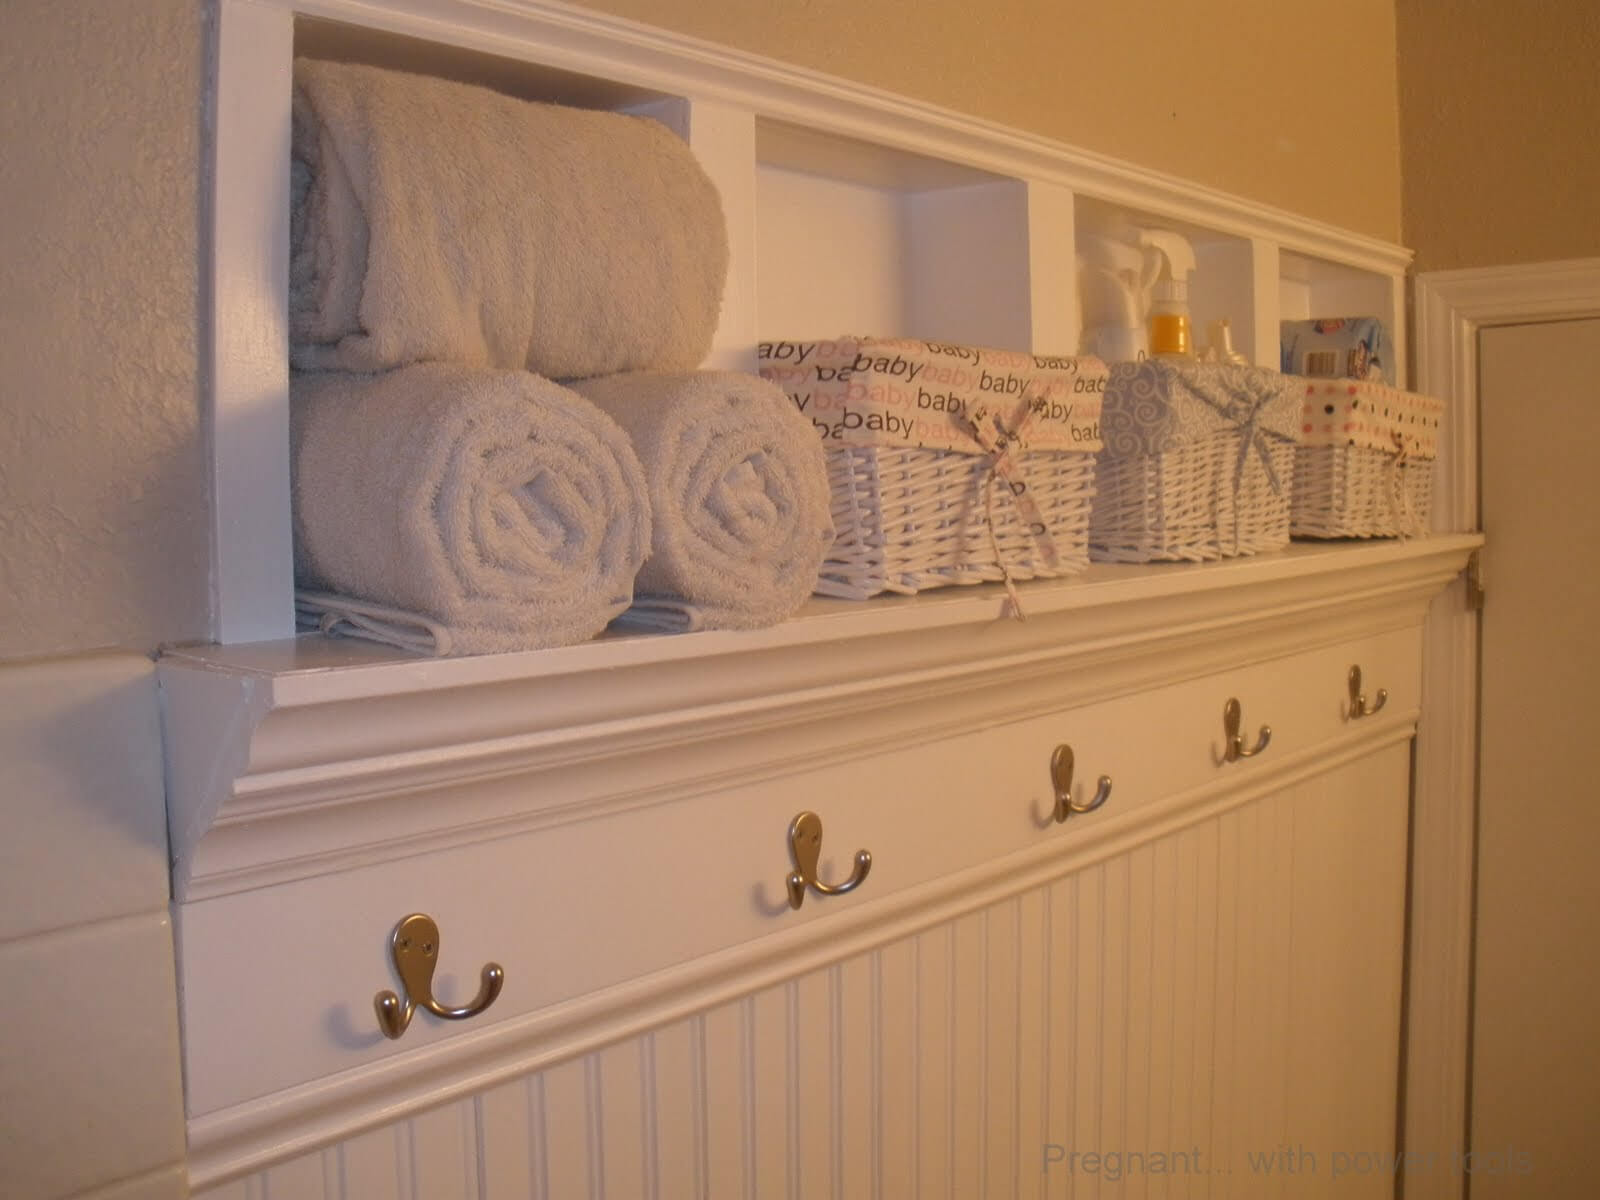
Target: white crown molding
(247,1137)
(301,758)
(592,43)
(1451,308)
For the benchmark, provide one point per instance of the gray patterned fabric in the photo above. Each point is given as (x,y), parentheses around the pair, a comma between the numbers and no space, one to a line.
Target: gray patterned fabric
(1157,405)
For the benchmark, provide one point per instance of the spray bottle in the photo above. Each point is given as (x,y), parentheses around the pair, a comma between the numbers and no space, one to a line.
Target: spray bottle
(1115,274)
(1168,325)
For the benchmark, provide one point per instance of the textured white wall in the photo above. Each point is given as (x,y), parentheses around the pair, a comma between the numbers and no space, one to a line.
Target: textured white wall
(103,494)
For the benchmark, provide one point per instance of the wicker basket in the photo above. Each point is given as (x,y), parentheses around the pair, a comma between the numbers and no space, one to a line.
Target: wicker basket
(947,464)
(1198,465)
(912,519)
(1366,466)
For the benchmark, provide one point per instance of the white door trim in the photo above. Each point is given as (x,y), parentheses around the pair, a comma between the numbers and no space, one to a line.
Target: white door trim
(1451,307)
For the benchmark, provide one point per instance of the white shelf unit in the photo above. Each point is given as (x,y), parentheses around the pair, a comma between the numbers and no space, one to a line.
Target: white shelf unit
(325,786)
(850,210)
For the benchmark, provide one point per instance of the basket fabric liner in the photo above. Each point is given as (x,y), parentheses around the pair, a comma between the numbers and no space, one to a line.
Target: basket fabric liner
(1156,405)
(1345,412)
(1365,465)
(948,464)
(1198,463)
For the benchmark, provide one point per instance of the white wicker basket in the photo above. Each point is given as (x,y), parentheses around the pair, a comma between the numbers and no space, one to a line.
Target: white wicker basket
(908,520)
(947,464)
(1182,505)
(1366,469)
(1198,465)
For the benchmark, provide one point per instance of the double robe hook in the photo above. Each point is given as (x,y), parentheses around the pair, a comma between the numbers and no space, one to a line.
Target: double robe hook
(1061,765)
(1233,745)
(415,948)
(805,847)
(1358,699)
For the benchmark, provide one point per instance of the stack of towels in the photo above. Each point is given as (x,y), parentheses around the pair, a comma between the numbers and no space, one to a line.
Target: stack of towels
(454,254)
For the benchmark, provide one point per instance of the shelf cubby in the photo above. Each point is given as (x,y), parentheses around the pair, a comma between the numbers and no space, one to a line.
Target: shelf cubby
(849,211)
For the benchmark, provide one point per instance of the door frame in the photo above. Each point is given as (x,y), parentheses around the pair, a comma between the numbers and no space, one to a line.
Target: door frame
(1451,307)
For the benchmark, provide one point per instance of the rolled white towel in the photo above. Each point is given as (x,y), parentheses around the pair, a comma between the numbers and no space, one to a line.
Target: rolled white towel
(437,221)
(455,511)
(739,497)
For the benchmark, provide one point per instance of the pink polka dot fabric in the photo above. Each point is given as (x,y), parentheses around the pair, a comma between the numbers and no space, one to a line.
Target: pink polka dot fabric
(1344,412)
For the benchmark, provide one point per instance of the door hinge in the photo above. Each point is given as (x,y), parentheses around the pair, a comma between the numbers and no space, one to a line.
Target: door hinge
(1474,574)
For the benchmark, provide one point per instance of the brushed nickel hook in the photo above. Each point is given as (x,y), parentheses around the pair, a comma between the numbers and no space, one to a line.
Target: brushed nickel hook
(805,846)
(1061,764)
(1233,747)
(414,945)
(1358,701)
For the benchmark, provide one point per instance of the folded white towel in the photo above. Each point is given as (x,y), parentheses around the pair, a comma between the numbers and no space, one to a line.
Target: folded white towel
(739,497)
(436,221)
(461,511)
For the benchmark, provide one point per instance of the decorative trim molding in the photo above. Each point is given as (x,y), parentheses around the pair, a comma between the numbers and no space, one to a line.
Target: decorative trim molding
(591,43)
(236,1141)
(321,760)
(1451,308)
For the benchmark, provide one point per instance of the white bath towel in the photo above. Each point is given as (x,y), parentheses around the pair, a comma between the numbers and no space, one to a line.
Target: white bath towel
(460,511)
(738,491)
(436,221)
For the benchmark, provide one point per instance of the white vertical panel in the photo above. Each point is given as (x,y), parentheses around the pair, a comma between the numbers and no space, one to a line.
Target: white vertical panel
(856,1097)
(1002,927)
(367,1165)
(622,1074)
(935,1066)
(1067,989)
(1278,816)
(443,1154)
(303,1178)
(676,1107)
(1198,1017)
(571,1131)
(899,1065)
(252,564)
(1105,1116)
(1185,973)
(968,1052)
(1249,1118)
(1165,1000)
(774,1046)
(510,1128)
(1143,881)
(723,139)
(1055,324)
(1033,955)
(248,1188)
(722,1043)
(814,1046)
(1343,1049)
(1218,1146)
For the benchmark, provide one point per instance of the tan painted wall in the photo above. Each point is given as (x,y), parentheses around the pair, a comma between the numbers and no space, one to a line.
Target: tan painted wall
(103,493)
(1498,104)
(103,501)
(1290,104)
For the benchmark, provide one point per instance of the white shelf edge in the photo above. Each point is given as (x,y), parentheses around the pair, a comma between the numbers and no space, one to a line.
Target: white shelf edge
(280,773)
